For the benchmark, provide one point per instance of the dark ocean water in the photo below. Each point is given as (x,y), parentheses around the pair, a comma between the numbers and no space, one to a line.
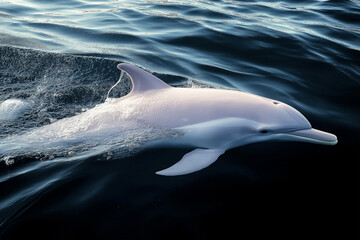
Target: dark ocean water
(59,59)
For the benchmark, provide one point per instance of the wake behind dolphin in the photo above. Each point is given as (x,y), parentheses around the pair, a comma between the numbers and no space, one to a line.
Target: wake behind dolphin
(209,120)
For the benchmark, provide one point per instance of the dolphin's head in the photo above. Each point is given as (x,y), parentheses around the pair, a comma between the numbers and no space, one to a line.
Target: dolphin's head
(279,121)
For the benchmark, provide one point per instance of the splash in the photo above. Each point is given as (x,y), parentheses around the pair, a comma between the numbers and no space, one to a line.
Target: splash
(120,78)
(11,109)
(107,128)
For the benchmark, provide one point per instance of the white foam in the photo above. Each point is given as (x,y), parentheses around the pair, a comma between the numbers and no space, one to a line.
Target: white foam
(11,109)
(121,76)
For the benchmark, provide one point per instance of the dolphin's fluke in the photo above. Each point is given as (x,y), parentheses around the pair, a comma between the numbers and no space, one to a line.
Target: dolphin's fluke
(192,162)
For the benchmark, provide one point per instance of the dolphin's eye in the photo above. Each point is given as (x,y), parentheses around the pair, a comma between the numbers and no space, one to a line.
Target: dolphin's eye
(276,103)
(265,130)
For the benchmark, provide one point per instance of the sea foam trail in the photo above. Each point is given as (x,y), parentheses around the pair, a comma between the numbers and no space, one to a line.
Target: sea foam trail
(106,126)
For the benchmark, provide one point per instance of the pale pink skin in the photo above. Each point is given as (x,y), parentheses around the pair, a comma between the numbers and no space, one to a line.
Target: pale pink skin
(213,120)
(168,107)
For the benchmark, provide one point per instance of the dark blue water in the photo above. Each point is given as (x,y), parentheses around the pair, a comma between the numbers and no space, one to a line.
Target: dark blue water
(60,58)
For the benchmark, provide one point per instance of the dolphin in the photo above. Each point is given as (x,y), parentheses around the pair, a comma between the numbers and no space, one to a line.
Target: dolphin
(209,120)
(213,120)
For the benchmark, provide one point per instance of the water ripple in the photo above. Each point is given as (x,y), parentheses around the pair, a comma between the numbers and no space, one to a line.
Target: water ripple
(60,57)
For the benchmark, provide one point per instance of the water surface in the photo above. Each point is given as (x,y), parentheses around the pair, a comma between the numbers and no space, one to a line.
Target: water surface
(59,59)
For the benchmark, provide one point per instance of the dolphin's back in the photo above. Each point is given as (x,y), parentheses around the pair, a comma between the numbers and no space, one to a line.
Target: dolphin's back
(178,107)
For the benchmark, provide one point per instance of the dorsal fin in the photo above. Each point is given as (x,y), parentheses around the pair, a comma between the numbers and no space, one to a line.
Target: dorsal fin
(141,80)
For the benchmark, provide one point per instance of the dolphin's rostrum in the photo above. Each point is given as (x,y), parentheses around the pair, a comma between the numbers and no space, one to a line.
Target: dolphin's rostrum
(214,120)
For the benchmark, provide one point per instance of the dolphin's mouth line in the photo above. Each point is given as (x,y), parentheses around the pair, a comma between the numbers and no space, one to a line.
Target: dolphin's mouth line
(313,135)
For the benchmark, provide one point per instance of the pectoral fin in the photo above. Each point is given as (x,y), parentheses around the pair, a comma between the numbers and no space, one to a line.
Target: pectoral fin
(192,162)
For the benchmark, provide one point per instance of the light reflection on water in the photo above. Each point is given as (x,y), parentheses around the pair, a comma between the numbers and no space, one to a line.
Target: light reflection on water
(305,54)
